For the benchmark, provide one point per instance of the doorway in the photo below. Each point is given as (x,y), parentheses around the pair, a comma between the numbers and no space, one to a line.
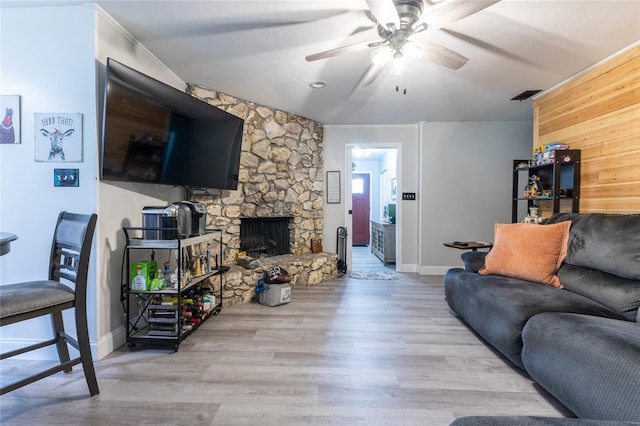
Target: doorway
(377,168)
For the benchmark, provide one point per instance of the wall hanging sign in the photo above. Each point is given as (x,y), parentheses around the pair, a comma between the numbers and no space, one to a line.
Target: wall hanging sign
(58,137)
(333,187)
(10,125)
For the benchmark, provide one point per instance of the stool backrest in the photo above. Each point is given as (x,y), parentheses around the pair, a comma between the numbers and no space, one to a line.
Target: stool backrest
(71,250)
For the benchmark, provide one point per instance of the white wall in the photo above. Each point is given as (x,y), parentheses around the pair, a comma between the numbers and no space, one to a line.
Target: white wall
(389,164)
(47,59)
(466,182)
(54,57)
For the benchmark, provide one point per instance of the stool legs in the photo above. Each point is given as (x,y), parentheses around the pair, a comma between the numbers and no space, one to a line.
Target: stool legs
(61,344)
(85,351)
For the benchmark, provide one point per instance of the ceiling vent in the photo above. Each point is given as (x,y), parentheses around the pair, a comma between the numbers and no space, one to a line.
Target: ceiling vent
(525,95)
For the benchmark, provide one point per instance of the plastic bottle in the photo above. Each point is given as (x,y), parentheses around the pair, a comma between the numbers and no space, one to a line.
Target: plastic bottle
(167,275)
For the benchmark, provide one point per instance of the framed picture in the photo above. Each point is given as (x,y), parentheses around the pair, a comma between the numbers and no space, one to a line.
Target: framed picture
(394,188)
(58,137)
(333,187)
(10,125)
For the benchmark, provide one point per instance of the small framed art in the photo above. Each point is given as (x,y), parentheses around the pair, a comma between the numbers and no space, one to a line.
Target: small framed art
(58,137)
(10,125)
(333,187)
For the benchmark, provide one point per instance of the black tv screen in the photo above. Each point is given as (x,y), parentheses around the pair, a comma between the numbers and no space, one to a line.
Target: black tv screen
(154,133)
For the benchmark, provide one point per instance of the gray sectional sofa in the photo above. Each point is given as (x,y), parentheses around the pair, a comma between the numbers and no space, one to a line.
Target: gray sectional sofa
(581,342)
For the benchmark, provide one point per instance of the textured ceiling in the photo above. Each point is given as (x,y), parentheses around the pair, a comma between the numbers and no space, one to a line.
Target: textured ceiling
(256,50)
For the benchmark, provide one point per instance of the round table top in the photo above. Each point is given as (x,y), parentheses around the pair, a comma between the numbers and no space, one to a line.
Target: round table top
(6,237)
(5,242)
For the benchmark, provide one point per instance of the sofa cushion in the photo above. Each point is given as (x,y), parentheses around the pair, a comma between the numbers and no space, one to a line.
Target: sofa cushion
(604,242)
(498,307)
(619,294)
(590,364)
(528,251)
(473,260)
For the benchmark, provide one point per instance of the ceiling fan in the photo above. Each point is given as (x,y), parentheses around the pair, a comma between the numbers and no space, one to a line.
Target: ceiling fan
(398,21)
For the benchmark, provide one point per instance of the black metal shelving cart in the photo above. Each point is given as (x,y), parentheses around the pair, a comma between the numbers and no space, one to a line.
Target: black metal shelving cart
(167,312)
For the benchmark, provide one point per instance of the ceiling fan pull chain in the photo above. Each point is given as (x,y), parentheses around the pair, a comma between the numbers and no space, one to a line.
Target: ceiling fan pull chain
(400,81)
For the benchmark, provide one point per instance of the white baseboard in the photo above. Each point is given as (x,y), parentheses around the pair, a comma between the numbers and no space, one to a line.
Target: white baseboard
(408,268)
(99,349)
(435,270)
(109,343)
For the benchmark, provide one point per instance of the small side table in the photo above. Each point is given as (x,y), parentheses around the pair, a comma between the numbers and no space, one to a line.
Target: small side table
(469,245)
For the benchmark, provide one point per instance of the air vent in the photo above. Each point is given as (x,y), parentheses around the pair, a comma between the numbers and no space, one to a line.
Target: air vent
(525,95)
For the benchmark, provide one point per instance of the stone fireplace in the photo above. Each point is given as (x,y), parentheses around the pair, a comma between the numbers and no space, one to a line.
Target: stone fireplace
(281,175)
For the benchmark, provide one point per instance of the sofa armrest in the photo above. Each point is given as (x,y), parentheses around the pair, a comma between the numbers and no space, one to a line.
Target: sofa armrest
(473,260)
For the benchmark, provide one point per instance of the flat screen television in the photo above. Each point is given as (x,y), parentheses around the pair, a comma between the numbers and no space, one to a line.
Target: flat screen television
(154,133)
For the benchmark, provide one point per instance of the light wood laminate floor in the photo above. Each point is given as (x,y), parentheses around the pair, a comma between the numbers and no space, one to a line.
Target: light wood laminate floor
(345,352)
(363,259)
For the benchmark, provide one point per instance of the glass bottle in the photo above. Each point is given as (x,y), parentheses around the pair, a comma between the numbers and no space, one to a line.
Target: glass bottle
(139,283)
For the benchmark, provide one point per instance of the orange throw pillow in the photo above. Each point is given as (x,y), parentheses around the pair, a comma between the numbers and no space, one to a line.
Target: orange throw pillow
(528,251)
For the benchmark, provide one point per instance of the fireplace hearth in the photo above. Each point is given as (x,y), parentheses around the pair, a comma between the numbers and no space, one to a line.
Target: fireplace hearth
(265,236)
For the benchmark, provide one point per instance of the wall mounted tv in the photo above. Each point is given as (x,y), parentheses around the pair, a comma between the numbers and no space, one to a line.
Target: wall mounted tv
(154,133)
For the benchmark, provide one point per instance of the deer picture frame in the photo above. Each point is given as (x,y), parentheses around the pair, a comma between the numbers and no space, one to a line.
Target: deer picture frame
(58,137)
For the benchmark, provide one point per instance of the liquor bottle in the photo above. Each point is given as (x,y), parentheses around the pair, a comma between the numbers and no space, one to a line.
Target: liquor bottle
(139,283)
(157,282)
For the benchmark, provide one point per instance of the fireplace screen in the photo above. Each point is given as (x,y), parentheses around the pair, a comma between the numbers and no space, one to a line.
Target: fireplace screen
(265,236)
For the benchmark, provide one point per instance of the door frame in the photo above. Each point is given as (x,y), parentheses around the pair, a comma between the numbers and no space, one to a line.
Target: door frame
(349,147)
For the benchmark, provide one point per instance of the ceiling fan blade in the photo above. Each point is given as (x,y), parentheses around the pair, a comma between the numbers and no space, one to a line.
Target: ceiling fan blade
(340,51)
(445,13)
(441,55)
(385,13)
(372,73)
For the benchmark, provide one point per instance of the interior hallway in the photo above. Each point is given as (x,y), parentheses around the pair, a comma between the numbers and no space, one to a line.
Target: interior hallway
(364,260)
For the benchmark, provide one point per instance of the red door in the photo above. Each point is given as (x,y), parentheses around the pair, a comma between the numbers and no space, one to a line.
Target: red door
(360,205)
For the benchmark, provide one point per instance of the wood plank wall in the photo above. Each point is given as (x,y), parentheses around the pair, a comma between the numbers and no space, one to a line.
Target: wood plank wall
(598,112)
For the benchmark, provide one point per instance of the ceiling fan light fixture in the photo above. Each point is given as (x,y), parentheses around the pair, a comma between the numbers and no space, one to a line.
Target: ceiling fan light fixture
(381,56)
(412,50)
(398,65)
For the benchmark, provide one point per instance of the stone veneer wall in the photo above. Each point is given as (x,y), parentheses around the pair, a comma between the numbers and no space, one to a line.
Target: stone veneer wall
(281,174)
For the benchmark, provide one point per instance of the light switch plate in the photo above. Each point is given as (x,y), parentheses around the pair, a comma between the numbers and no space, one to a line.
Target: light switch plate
(408,195)
(66,177)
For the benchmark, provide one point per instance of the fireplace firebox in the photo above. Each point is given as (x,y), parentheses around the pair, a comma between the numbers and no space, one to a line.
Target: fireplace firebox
(265,236)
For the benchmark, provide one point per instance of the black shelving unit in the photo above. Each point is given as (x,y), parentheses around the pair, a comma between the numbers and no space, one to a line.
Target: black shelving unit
(159,317)
(561,177)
